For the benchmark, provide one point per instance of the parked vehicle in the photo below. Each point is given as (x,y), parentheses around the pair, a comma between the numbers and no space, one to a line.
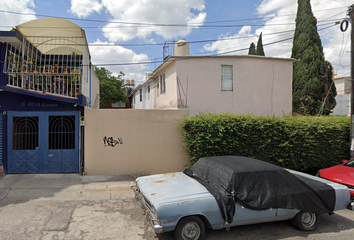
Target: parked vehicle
(342,173)
(222,192)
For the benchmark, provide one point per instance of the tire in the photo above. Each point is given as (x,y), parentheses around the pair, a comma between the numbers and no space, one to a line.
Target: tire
(190,228)
(305,221)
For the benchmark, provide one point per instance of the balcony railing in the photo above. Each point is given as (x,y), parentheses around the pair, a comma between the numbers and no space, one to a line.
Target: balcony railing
(45,79)
(55,74)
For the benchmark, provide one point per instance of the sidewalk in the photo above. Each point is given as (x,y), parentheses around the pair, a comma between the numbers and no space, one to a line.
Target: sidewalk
(65,187)
(70,206)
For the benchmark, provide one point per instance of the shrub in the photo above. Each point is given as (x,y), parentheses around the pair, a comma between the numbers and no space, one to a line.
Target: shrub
(299,143)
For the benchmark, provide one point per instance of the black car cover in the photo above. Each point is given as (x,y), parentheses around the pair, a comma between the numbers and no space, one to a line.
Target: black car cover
(259,185)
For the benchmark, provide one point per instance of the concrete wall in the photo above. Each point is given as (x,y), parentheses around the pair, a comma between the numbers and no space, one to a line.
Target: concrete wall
(133,141)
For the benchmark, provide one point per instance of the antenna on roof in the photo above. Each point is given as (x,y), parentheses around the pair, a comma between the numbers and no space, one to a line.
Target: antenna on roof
(165,50)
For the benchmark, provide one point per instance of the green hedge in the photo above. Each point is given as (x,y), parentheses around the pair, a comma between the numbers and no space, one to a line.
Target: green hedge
(299,143)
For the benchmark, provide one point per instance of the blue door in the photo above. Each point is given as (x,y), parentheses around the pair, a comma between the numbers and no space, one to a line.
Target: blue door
(43,142)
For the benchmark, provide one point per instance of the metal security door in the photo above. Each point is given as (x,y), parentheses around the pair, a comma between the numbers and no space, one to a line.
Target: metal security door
(23,143)
(43,142)
(63,144)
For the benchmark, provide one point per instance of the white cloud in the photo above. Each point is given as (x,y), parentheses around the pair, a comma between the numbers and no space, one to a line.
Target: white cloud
(108,53)
(9,20)
(151,12)
(279,17)
(268,6)
(83,8)
(242,40)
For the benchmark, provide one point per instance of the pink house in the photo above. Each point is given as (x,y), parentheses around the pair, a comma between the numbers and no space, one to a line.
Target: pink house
(218,84)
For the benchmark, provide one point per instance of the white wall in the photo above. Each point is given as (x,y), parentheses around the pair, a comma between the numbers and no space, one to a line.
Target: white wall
(95,90)
(261,86)
(343,105)
(137,104)
(149,97)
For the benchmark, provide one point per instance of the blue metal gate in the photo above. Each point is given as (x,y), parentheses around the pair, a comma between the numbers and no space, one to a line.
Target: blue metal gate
(43,142)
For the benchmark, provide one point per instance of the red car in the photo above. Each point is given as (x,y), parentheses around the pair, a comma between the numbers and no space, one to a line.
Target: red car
(343,174)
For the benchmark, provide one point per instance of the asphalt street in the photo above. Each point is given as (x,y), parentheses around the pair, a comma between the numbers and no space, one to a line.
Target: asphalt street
(70,206)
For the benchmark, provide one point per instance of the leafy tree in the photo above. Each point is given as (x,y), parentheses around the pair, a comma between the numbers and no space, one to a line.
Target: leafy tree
(260,50)
(111,87)
(308,85)
(252,49)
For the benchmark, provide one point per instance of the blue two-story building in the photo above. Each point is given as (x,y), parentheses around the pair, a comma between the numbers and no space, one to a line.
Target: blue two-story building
(46,83)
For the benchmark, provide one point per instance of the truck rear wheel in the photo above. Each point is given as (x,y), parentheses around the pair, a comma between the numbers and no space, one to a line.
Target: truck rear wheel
(305,221)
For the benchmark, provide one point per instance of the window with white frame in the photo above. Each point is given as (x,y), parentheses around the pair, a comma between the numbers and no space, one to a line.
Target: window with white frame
(162,83)
(141,94)
(148,92)
(226,78)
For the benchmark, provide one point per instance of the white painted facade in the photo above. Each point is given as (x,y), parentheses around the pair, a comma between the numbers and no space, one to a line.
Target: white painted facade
(343,87)
(261,85)
(218,84)
(144,96)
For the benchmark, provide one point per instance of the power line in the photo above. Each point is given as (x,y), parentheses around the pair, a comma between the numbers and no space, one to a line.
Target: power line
(217,54)
(165,24)
(162,44)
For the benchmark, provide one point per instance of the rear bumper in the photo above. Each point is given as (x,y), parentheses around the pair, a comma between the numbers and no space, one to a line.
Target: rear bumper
(154,222)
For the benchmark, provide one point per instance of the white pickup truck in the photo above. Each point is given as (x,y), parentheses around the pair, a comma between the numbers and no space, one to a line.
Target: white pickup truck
(221,192)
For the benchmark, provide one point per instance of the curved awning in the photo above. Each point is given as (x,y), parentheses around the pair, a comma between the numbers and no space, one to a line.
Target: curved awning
(54,35)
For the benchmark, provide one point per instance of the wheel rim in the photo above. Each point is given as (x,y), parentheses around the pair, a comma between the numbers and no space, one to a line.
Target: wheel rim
(191,231)
(308,219)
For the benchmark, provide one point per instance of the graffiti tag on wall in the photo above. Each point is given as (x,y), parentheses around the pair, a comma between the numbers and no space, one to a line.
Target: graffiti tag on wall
(110,142)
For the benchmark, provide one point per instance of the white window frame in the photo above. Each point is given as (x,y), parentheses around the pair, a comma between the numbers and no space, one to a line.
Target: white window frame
(162,84)
(227,78)
(148,92)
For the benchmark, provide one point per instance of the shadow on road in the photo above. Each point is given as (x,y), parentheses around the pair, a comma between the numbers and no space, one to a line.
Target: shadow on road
(329,227)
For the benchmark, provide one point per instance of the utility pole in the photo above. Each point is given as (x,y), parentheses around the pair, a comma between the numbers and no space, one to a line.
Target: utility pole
(351,15)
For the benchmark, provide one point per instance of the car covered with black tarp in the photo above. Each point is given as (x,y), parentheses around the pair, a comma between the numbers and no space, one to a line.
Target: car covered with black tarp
(225,191)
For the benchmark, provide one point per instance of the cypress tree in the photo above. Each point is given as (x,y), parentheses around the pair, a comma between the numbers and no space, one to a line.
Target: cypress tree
(308,85)
(331,88)
(260,50)
(252,49)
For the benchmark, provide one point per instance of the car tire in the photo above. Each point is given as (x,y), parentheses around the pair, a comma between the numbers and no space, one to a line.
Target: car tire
(305,221)
(190,228)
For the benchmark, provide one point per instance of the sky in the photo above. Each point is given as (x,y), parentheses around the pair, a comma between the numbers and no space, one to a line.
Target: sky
(130,35)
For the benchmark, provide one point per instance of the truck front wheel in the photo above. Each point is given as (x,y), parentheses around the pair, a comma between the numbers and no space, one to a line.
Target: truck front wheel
(190,228)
